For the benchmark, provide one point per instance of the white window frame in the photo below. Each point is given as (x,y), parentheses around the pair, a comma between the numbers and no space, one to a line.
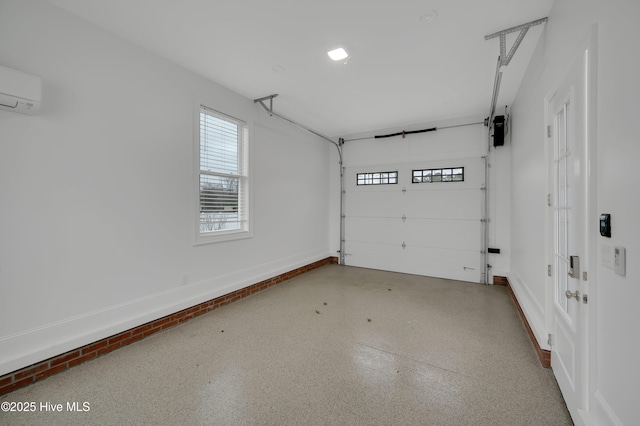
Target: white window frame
(244,186)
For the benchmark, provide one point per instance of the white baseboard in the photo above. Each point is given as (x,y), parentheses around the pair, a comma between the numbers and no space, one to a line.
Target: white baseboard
(532,310)
(602,413)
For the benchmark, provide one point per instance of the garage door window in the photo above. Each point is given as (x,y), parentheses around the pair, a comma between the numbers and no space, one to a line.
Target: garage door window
(377,178)
(451,174)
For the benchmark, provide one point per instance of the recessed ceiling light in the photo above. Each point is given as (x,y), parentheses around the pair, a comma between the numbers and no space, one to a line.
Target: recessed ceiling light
(430,16)
(338,54)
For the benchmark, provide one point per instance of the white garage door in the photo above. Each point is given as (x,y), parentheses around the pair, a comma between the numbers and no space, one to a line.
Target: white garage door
(421,218)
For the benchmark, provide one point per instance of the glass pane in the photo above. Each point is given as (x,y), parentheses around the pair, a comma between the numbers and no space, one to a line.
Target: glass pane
(561,282)
(219,221)
(562,248)
(218,145)
(219,203)
(562,131)
(218,193)
(377,178)
(562,182)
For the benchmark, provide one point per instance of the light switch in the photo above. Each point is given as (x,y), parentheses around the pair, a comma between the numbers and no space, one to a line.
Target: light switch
(619,260)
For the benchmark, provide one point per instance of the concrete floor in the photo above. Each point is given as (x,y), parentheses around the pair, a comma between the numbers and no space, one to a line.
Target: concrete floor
(336,346)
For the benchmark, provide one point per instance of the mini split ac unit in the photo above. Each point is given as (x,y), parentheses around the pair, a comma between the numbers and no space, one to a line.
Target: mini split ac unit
(19,91)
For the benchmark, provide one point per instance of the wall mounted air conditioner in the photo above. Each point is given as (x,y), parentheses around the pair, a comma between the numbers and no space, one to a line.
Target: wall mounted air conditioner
(19,91)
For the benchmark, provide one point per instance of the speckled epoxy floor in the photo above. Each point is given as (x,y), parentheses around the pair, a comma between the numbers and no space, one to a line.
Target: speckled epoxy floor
(336,346)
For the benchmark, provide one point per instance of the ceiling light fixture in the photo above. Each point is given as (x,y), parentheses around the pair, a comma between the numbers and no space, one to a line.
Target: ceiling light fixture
(339,54)
(430,16)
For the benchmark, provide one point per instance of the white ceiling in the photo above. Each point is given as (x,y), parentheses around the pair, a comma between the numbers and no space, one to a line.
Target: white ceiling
(402,69)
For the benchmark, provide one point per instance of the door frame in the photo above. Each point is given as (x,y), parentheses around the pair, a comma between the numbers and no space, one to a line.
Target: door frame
(587,53)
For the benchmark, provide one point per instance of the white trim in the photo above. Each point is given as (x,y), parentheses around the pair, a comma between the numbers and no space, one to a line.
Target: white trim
(602,413)
(532,310)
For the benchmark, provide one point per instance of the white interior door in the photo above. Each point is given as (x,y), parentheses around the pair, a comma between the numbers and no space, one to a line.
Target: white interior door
(569,189)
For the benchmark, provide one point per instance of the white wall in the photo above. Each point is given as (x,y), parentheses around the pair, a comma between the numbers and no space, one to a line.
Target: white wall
(615,317)
(97,192)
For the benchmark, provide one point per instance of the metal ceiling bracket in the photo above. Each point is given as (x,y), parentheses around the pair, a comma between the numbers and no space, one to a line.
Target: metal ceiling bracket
(505,57)
(261,101)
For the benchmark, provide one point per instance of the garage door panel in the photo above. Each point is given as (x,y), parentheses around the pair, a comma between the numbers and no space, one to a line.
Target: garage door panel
(368,203)
(447,234)
(372,229)
(444,204)
(450,264)
(375,256)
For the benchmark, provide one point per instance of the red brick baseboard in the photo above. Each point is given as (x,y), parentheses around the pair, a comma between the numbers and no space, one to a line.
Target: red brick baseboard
(500,281)
(41,370)
(543,354)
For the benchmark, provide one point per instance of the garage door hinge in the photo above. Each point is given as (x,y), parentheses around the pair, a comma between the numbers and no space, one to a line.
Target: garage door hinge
(549,200)
(549,270)
(404,245)
(404,218)
(549,339)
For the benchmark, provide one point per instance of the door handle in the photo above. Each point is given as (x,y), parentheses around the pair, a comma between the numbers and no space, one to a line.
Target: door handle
(574,295)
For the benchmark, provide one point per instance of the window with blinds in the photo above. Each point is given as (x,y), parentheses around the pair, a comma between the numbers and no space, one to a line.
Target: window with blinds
(223,177)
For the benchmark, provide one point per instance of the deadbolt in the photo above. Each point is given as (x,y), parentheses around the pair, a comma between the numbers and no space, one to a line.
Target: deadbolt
(574,267)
